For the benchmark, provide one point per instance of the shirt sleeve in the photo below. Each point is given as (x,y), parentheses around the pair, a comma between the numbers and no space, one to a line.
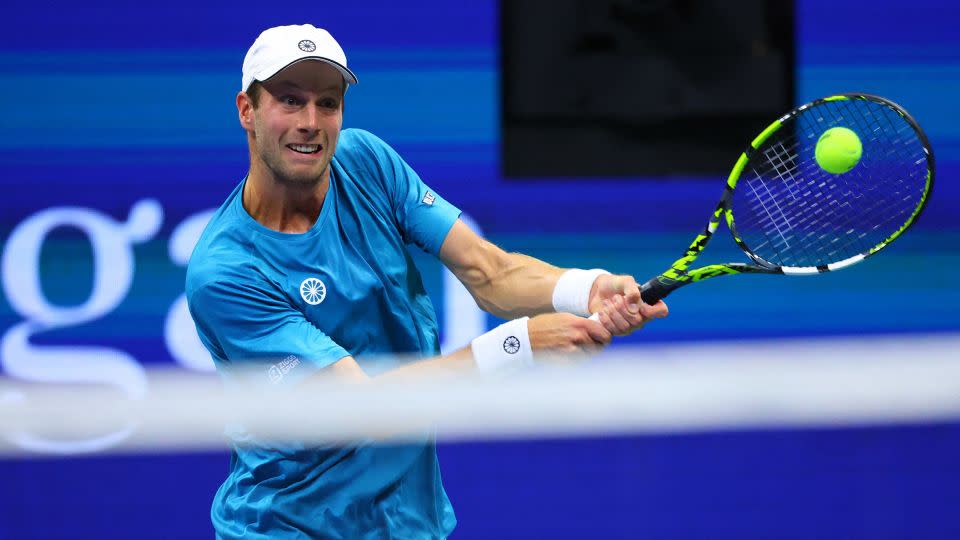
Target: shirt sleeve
(250,327)
(424,217)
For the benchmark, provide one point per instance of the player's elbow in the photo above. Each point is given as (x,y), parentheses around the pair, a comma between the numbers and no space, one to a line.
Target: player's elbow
(487,270)
(486,265)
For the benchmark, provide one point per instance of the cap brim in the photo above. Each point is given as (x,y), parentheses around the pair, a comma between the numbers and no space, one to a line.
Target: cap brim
(266,74)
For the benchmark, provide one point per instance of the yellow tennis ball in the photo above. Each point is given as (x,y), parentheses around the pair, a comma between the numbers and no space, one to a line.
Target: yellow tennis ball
(838,150)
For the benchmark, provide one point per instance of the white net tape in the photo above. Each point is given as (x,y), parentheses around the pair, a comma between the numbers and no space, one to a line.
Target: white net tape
(651,389)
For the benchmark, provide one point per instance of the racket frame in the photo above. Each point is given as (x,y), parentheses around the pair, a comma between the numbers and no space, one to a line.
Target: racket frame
(680,274)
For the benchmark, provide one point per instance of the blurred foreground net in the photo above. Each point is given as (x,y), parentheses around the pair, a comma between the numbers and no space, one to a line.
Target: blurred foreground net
(650,389)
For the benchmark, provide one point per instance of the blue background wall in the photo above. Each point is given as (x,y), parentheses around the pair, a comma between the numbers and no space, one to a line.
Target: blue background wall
(105,106)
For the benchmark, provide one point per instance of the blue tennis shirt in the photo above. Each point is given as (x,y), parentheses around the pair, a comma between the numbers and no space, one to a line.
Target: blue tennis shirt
(289,305)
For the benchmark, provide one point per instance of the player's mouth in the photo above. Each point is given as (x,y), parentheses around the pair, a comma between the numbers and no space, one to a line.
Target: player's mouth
(305,148)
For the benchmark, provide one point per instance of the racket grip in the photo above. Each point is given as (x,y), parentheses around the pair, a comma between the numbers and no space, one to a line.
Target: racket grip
(652,291)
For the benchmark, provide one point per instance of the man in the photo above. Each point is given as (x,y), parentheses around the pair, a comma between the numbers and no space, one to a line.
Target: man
(305,265)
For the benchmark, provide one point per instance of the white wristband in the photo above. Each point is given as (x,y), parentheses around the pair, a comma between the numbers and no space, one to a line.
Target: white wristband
(572,292)
(505,348)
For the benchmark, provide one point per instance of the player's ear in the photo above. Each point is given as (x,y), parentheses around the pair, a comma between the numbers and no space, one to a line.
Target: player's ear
(245,111)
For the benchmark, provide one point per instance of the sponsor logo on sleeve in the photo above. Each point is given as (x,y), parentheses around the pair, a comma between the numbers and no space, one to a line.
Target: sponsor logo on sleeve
(281,368)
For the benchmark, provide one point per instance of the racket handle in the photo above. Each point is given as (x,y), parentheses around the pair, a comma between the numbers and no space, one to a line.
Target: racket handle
(652,291)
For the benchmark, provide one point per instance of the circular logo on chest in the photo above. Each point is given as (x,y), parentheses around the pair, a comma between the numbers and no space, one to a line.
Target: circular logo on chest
(313,291)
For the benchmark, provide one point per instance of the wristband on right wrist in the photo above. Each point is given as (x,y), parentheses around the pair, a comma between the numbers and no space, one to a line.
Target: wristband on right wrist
(572,291)
(506,348)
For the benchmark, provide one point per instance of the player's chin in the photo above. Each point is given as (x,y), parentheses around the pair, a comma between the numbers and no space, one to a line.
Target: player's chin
(306,175)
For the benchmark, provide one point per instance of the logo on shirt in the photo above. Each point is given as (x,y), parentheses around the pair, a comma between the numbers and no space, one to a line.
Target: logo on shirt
(281,368)
(511,345)
(307,46)
(428,199)
(313,291)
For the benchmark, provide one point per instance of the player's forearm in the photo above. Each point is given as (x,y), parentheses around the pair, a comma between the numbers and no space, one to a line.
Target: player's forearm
(508,347)
(456,363)
(516,286)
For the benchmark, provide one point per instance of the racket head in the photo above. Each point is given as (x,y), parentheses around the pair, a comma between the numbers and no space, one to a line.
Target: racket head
(790,215)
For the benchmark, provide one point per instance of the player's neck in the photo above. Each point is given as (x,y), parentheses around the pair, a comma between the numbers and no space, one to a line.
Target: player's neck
(283,206)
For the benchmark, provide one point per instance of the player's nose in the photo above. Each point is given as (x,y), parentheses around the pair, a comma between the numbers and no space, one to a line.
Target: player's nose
(308,120)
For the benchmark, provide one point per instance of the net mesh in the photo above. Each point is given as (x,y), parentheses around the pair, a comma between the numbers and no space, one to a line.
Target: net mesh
(791,212)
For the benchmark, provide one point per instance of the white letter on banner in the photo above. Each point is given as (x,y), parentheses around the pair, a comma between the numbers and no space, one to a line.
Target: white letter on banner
(113,273)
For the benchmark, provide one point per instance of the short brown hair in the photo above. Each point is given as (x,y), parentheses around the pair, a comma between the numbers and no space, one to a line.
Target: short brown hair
(253,92)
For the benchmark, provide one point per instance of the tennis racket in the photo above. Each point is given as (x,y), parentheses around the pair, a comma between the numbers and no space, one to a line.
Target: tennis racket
(790,216)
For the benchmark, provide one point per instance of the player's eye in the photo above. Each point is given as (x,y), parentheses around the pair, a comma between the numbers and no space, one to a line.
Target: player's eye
(328,103)
(289,100)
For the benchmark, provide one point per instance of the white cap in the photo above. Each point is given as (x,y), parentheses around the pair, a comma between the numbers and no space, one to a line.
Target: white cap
(282,46)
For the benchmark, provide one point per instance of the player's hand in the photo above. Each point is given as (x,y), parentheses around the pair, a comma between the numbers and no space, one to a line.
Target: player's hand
(616,300)
(561,337)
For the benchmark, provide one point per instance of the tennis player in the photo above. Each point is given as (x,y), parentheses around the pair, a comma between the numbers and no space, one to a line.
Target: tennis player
(305,264)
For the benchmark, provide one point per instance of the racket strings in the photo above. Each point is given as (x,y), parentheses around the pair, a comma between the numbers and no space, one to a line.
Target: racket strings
(898,151)
(810,237)
(791,212)
(850,241)
(895,184)
(785,163)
